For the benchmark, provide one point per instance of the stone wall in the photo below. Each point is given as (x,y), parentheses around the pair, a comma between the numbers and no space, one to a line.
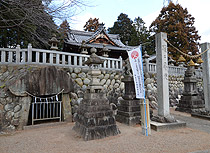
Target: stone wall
(176,88)
(12,108)
(39,81)
(13,103)
(110,80)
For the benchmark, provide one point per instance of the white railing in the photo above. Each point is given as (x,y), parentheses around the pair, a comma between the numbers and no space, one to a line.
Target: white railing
(175,70)
(31,55)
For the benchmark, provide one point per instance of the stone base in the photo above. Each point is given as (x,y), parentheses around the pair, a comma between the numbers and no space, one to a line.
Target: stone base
(188,109)
(207,117)
(129,112)
(92,133)
(94,118)
(167,126)
(190,103)
(128,120)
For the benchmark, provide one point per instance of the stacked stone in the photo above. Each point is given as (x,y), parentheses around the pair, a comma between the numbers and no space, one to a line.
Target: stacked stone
(110,80)
(94,117)
(151,89)
(128,107)
(176,88)
(12,114)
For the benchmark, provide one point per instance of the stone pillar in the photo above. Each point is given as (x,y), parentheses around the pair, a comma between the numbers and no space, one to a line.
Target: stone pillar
(162,74)
(206,74)
(67,114)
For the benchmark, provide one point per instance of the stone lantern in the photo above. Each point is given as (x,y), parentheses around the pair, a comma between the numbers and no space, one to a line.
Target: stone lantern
(83,48)
(104,52)
(54,42)
(191,100)
(128,107)
(146,62)
(94,117)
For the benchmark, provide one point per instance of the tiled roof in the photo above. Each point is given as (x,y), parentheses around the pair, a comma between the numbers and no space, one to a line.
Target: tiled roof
(76,38)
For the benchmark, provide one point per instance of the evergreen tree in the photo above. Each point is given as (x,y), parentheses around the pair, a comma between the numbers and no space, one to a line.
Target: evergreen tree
(178,24)
(124,27)
(143,35)
(64,28)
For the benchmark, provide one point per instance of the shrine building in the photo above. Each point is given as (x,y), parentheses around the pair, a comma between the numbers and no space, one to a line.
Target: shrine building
(107,45)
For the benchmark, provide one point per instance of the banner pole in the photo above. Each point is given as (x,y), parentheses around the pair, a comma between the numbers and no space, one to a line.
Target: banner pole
(135,58)
(144,94)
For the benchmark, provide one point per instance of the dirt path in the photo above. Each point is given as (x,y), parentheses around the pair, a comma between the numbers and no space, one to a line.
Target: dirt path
(62,139)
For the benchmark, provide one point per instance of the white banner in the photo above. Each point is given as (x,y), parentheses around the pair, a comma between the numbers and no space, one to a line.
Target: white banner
(135,58)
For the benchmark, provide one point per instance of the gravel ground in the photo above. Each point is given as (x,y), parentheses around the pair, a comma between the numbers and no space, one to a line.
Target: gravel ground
(62,139)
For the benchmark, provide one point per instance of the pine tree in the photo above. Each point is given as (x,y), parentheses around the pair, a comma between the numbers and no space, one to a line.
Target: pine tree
(178,24)
(124,27)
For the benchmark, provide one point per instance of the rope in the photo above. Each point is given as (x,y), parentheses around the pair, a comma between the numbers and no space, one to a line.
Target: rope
(190,56)
(44,98)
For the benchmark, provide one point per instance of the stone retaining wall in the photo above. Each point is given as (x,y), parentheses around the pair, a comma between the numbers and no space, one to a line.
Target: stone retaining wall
(13,114)
(176,87)
(110,80)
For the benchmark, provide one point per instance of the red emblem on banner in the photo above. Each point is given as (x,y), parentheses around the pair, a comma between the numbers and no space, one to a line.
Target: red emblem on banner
(134,54)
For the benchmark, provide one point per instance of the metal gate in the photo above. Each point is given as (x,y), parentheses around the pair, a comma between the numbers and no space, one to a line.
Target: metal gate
(46,110)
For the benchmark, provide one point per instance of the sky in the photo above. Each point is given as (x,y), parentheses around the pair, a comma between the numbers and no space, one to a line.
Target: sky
(108,10)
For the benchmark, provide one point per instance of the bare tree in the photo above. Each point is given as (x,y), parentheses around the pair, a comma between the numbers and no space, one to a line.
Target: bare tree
(32,20)
(91,25)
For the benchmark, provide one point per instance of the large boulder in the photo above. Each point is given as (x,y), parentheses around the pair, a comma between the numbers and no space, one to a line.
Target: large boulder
(42,81)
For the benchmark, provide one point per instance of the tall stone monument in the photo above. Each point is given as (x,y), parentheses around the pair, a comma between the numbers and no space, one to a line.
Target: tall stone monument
(94,117)
(129,107)
(162,75)
(206,74)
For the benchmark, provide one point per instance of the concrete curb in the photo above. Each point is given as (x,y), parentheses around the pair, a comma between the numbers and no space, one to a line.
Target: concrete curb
(167,126)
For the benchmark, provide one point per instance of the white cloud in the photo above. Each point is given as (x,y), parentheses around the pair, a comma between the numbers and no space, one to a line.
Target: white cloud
(79,21)
(148,19)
